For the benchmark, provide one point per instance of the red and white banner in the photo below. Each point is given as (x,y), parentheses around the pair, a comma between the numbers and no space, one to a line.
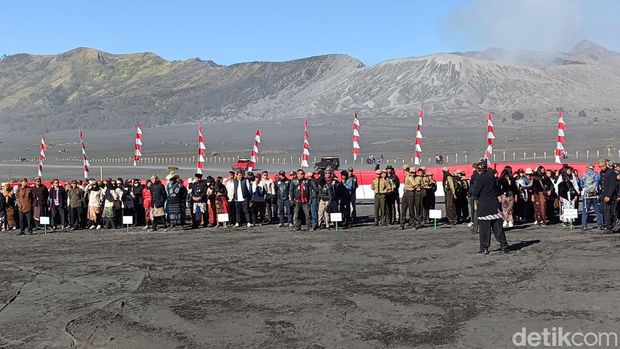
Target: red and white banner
(418,140)
(138,149)
(202,151)
(254,155)
(356,137)
(85,163)
(559,150)
(305,155)
(490,137)
(42,155)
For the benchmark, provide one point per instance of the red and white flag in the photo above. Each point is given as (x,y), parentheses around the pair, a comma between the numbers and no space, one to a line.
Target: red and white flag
(202,151)
(254,155)
(418,140)
(306,153)
(42,155)
(559,150)
(85,162)
(138,151)
(490,137)
(356,137)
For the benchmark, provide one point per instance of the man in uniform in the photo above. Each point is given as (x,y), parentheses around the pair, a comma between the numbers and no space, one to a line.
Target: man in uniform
(381,186)
(449,189)
(407,201)
(392,199)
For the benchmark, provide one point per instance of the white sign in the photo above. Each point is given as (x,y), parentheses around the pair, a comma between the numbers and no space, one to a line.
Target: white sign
(335,217)
(128,220)
(434,214)
(571,213)
(222,217)
(44,220)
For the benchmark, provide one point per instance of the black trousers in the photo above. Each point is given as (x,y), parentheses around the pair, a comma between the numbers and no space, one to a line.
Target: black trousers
(450,207)
(299,208)
(75,217)
(418,202)
(485,228)
(345,209)
(25,220)
(390,206)
(241,208)
(58,211)
(609,213)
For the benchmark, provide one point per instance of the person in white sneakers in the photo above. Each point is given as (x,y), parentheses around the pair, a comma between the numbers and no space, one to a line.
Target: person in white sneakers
(241,197)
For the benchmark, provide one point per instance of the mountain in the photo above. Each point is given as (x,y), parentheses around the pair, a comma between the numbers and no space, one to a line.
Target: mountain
(88,88)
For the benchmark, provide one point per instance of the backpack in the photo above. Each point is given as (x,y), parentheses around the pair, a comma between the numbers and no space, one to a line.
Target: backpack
(590,186)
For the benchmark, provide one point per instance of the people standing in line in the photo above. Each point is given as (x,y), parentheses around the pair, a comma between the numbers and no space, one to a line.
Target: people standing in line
(147,198)
(488,210)
(449,189)
(176,194)
(407,203)
(241,197)
(345,192)
(25,202)
(58,205)
(41,194)
(508,191)
(354,184)
(282,186)
(299,193)
(461,188)
(392,199)
(381,186)
(609,193)
(75,197)
(158,200)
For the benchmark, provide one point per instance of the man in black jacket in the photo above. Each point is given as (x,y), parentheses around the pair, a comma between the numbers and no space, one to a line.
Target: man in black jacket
(313,184)
(283,201)
(158,199)
(609,193)
(241,197)
(300,194)
(488,209)
(198,201)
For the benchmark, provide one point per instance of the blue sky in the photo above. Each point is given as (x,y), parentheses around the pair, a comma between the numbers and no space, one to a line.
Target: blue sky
(235,31)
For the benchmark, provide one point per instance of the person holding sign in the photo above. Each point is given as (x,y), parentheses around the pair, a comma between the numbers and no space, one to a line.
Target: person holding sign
(490,217)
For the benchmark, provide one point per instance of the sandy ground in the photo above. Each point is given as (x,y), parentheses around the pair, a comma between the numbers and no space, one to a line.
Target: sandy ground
(267,287)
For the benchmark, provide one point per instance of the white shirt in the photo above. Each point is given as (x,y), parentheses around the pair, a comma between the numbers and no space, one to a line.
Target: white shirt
(240,192)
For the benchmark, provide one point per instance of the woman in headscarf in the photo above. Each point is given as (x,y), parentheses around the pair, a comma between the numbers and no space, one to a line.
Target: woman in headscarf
(176,196)
(508,190)
(94,195)
(541,186)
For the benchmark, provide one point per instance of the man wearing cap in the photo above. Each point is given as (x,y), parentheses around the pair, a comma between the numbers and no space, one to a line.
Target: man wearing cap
(411,192)
(282,186)
(462,187)
(591,184)
(25,200)
(429,187)
(392,199)
(381,186)
(198,200)
(488,211)
(609,193)
(76,203)
(58,204)
(299,192)
(354,184)
(449,190)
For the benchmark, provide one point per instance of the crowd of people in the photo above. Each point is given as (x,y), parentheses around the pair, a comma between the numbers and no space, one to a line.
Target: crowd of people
(241,198)
(307,199)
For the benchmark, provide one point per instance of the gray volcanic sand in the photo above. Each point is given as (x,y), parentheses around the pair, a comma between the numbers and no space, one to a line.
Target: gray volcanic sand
(282,139)
(267,287)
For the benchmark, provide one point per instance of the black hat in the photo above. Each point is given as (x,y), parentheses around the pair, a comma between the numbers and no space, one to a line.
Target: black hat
(198,175)
(389,167)
(282,173)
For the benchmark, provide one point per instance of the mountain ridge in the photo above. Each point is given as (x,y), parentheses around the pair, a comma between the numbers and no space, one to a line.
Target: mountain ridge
(86,87)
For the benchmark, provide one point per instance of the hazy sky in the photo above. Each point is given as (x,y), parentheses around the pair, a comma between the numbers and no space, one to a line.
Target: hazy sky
(238,31)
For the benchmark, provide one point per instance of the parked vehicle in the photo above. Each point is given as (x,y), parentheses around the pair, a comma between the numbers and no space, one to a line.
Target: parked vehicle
(241,164)
(332,162)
